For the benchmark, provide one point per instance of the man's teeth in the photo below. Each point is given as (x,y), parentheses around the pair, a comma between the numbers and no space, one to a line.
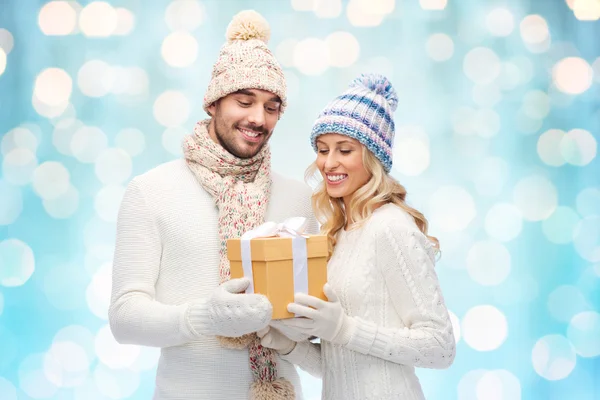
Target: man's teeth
(336,178)
(250,133)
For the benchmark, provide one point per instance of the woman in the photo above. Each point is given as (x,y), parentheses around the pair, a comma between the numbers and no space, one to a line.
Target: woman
(385,314)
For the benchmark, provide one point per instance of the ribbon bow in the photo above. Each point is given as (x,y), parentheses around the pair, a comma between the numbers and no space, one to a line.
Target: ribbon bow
(291,227)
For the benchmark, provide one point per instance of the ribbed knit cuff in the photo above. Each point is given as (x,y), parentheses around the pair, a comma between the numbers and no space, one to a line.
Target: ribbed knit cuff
(198,320)
(364,340)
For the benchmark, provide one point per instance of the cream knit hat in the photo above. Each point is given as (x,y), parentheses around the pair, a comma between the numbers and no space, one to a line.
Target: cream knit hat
(245,62)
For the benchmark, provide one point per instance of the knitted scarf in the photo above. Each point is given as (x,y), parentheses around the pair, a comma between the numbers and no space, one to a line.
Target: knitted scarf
(241,189)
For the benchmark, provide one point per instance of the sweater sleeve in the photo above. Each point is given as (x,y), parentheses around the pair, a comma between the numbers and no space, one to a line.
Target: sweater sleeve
(135,316)
(307,356)
(408,270)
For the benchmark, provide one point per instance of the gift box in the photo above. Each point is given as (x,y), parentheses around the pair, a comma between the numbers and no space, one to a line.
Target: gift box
(280,262)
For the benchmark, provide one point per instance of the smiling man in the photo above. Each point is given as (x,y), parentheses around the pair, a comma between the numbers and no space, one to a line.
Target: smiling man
(171,286)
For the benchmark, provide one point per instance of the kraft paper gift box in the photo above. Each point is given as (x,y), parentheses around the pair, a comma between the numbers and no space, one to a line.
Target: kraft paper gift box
(280,266)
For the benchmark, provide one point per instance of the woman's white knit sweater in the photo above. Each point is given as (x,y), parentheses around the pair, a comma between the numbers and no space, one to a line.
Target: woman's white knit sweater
(166,266)
(383,274)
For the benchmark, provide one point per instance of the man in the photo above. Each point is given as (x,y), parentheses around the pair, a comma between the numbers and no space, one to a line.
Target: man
(171,286)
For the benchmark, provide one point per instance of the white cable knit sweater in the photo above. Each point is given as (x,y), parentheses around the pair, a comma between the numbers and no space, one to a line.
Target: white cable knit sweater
(383,274)
(166,266)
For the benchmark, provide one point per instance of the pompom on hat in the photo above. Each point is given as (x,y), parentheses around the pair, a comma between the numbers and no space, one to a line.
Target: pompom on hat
(245,61)
(363,112)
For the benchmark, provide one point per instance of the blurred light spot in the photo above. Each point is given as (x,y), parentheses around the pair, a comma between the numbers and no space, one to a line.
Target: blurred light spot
(179,49)
(99,235)
(131,140)
(578,147)
(113,354)
(433,4)
(65,294)
(132,81)
(66,364)
(452,207)
(18,166)
(9,392)
(63,133)
(98,293)
(566,301)
(171,108)
(95,260)
(32,379)
(491,176)
(312,56)
(536,104)
(2,61)
(53,87)
(57,18)
(534,29)
(558,228)
(486,96)
(184,15)
(304,5)
(523,289)
(539,47)
(63,206)
(536,197)
(116,384)
(584,333)
(46,110)
(172,139)
(98,19)
(486,123)
(80,335)
(6,41)
(500,22)
(328,8)
(526,68)
(87,143)
(439,47)
(498,385)
(113,166)
(344,49)
(572,75)
(95,78)
(553,357)
(488,263)
(361,13)
(484,328)
(285,52)
(455,325)
(586,10)
(481,65)
(11,203)
(125,22)
(587,238)
(548,147)
(107,202)
(19,138)
(51,180)
(292,85)
(146,360)
(528,125)
(463,121)
(510,76)
(411,150)
(503,222)
(467,385)
(588,202)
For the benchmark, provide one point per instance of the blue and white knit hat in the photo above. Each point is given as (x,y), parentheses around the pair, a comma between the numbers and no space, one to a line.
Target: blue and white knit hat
(363,112)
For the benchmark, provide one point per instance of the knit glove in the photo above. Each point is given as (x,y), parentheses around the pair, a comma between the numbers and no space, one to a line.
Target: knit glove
(234,313)
(291,332)
(273,339)
(325,319)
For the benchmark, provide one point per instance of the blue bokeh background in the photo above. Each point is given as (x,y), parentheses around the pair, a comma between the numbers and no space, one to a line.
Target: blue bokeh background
(497,130)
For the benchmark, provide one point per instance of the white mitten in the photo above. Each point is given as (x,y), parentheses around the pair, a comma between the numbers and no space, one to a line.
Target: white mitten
(324,319)
(273,339)
(291,332)
(234,313)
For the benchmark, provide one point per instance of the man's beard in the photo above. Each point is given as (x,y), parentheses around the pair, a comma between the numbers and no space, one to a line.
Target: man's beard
(228,145)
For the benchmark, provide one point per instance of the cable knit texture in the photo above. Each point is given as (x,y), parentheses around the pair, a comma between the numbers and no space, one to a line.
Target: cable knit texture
(383,274)
(166,268)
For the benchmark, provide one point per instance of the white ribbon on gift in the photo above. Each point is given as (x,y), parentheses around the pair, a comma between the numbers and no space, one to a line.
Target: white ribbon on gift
(291,227)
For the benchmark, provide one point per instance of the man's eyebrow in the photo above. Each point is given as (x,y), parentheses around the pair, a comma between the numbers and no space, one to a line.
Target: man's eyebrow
(247,92)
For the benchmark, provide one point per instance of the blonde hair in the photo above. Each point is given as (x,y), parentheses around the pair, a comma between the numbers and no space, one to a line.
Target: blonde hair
(380,189)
